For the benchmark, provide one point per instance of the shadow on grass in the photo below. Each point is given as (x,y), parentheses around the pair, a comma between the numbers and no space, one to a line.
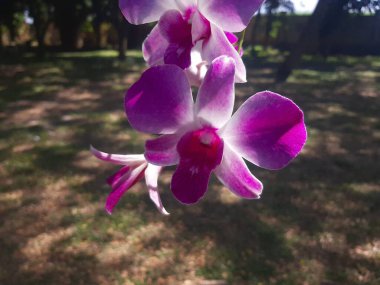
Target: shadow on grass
(317,222)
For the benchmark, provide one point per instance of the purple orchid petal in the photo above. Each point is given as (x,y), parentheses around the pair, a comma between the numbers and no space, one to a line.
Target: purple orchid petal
(115,178)
(178,55)
(154,47)
(268,130)
(151,178)
(160,102)
(120,159)
(234,173)
(177,32)
(217,45)
(162,151)
(232,38)
(186,6)
(123,185)
(230,15)
(215,101)
(174,28)
(200,153)
(145,11)
(200,28)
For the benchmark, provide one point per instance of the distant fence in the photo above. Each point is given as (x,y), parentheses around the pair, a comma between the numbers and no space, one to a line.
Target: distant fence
(357,35)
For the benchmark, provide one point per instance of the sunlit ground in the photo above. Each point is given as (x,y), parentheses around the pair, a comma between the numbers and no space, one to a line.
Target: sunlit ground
(317,222)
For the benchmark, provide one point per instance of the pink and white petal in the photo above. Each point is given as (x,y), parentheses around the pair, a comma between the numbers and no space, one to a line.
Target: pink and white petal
(115,178)
(186,5)
(216,96)
(151,179)
(123,185)
(119,159)
(154,47)
(218,44)
(268,130)
(198,68)
(160,102)
(139,12)
(235,175)
(230,15)
(163,150)
(200,28)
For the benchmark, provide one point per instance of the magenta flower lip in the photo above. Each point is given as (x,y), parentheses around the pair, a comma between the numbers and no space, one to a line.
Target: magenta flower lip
(192,33)
(268,130)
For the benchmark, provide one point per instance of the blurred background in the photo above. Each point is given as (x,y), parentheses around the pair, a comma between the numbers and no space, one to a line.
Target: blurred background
(64,68)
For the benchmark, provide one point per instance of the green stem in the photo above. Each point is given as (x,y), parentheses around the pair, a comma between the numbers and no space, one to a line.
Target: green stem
(242,40)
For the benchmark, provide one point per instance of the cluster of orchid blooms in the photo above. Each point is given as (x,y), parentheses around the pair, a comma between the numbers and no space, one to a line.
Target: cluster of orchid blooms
(193,45)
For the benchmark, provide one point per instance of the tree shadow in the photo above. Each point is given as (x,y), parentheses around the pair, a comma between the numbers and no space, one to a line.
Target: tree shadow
(316,222)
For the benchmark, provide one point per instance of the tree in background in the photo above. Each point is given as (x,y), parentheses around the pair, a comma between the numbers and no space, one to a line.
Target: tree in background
(363,6)
(273,7)
(122,27)
(102,11)
(11,16)
(320,25)
(323,16)
(69,15)
(42,13)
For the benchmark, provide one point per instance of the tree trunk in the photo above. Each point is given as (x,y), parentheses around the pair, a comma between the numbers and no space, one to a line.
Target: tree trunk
(332,20)
(256,27)
(98,37)
(12,33)
(377,27)
(322,19)
(69,15)
(69,35)
(1,37)
(41,44)
(99,11)
(122,48)
(268,27)
(40,28)
(121,27)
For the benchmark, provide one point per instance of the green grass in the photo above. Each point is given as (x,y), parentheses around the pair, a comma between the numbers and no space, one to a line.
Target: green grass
(317,222)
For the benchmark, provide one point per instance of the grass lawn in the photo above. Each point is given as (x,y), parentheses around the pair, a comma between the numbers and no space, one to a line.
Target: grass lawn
(317,221)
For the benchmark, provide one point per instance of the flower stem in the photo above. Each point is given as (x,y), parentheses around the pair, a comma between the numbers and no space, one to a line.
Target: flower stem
(242,40)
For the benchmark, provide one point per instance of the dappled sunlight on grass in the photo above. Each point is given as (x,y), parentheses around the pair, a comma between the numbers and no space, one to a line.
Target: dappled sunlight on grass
(316,223)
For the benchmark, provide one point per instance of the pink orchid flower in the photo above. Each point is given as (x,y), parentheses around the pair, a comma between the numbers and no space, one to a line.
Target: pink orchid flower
(268,130)
(135,167)
(192,33)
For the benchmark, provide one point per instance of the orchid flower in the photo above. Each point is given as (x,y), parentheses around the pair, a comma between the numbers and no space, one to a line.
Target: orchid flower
(268,130)
(192,33)
(134,168)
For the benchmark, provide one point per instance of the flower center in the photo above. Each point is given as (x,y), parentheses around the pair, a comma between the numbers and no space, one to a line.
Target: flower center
(203,147)
(188,14)
(207,138)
